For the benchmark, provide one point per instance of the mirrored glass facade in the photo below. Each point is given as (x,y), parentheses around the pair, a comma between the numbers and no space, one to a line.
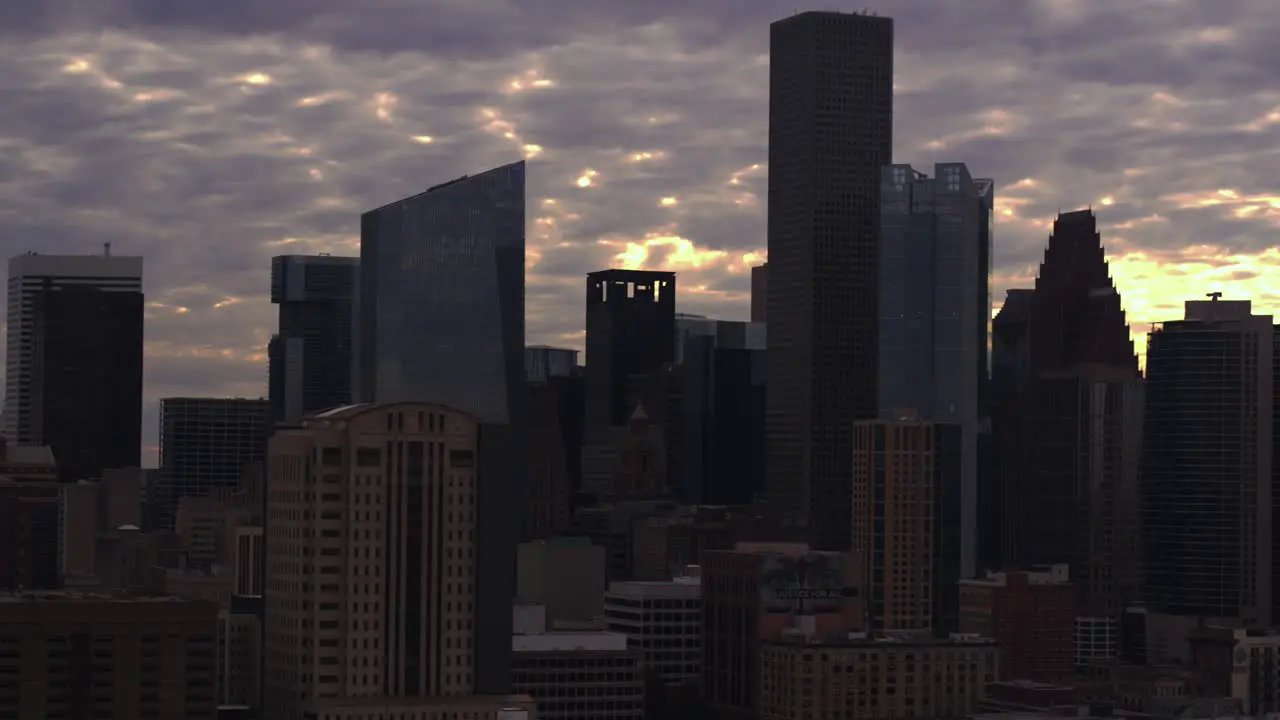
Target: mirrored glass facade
(442,296)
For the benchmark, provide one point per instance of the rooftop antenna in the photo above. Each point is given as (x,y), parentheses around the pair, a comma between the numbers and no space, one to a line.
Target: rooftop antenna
(1213,296)
(106,249)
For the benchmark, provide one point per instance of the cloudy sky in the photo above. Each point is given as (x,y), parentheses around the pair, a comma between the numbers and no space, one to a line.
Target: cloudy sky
(209,136)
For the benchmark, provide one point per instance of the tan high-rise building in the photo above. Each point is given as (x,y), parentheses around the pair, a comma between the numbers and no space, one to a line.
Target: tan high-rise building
(370,557)
(906,523)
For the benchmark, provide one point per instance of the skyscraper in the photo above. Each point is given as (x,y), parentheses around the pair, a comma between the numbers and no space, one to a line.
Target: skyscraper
(935,255)
(74,368)
(310,356)
(392,540)
(207,443)
(759,292)
(830,133)
(1068,427)
(441,320)
(1207,468)
(630,331)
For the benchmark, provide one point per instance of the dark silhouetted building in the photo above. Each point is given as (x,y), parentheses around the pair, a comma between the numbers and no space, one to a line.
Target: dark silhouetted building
(310,356)
(441,320)
(1068,427)
(1206,477)
(935,303)
(719,434)
(556,408)
(630,331)
(207,443)
(74,379)
(759,292)
(830,133)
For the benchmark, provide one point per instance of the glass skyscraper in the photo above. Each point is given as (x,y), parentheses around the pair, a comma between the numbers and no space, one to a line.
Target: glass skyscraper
(441,320)
(935,269)
(310,356)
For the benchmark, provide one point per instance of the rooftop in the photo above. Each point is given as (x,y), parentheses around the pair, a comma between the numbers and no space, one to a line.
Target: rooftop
(70,596)
(569,641)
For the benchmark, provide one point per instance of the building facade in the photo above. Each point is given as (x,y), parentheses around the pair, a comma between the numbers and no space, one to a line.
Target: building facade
(571,675)
(908,478)
(935,274)
(1207,470)
(830,133)
(74,367)
(721,423)
(310,357)
(76,655)
(755,593)
(862,676)
(1031,614)
(207,443)
(663,620)
(371,544)
(630,331)
(441,320)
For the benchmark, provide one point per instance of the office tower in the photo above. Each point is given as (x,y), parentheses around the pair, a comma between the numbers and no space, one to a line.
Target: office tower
(441,320)
(207,443)
(78,655)
(630,331)
(74,368)
(759,292)
(576,674)
(1068,427)
(1207,467)
(830,133)
(1031,614)
(759,592)
(907,477)
(804,677)
(935,271)
(664,620)
(390,528)
(720,431)
(310,355)
(556,397)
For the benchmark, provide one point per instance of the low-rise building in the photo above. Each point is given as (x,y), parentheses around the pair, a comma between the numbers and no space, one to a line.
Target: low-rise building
(575,675)
(1032,614)
(862,676)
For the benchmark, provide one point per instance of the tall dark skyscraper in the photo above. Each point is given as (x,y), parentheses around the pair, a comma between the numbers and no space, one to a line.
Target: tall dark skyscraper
(631,316)
(935,272)
(207,443)
(1068,428)
(441,320)
(74,379)
(830,133)
(1207,493)
(310,356)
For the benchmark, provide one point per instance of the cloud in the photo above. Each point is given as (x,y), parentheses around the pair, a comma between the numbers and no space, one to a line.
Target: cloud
(210,136)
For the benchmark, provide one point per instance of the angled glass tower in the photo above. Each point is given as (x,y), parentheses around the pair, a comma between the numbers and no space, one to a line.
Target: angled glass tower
(441,320)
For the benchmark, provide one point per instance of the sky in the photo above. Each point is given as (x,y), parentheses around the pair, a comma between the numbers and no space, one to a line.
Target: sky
(210,136)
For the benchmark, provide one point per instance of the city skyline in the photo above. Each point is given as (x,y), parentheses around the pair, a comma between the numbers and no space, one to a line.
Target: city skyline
(220,143)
